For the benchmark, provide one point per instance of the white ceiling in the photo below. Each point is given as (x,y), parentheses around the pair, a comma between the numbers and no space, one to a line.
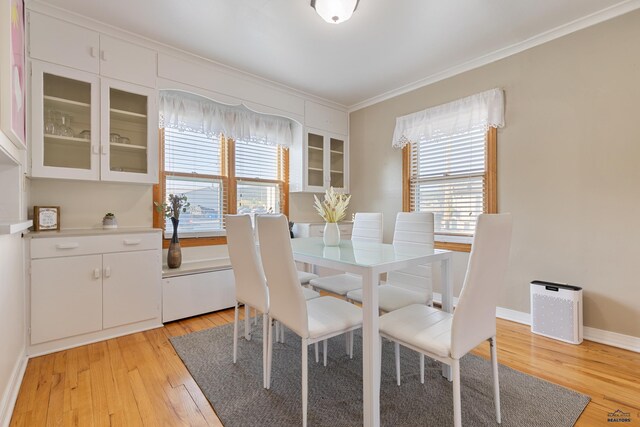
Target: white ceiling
(386,45)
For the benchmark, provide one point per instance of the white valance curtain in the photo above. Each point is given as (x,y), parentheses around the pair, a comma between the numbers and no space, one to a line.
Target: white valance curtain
(188,112)
(483,109)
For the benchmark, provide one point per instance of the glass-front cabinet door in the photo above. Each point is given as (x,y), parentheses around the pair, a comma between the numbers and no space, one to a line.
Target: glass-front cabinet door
(315,171)
(337,163)
(129,133)
(326,161)
(64,123)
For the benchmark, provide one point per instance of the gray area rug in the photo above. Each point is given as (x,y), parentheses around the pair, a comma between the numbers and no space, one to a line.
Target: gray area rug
(335,391)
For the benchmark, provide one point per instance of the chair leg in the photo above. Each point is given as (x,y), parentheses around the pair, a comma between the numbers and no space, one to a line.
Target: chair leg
(496,383)
(269,350)
(265,348)
(277,330)
(282,334)
(421,368)
(324,352)
(247,324)
(347,342)
(235,333)
(305,367)
(317,356)
(457,411)
(350,344)
(397,351)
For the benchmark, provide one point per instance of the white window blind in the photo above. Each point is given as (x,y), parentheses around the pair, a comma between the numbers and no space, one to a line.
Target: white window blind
(260,176)
(193,166)
(447,177)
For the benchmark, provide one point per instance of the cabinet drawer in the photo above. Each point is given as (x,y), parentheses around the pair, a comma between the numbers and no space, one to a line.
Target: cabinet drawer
(84,245)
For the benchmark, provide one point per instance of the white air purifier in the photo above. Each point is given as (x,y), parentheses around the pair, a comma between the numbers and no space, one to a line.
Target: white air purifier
(556,311)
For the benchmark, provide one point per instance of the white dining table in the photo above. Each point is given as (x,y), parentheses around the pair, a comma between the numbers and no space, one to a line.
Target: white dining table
(369,260)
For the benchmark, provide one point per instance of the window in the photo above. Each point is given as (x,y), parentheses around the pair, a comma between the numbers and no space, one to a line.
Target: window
(219,176)
(449,163)
(454,177)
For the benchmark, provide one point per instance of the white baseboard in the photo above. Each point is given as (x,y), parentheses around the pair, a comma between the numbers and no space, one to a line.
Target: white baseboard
(10,395)
(614,339)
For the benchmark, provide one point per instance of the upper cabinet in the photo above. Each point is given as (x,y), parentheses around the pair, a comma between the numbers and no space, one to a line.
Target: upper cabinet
(318,116)
(94,113)
(85,127)
(323,159)
(63,43)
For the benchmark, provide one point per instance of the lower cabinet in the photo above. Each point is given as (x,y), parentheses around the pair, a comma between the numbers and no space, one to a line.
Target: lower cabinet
(90,284)
(66,297)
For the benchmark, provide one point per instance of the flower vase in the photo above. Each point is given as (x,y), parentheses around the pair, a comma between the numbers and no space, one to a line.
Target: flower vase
(174,256)
(331,235)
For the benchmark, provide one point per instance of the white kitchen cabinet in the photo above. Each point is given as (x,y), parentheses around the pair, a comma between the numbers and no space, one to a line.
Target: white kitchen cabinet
(319,116)
(60,42)
(129,292)
(129,133)
(66,297)
(85,287)
(322,162)
(90,128)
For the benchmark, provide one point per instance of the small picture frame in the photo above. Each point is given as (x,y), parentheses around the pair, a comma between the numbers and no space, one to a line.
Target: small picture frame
(46,218)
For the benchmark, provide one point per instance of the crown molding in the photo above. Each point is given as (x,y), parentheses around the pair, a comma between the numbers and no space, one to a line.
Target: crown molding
(547,36)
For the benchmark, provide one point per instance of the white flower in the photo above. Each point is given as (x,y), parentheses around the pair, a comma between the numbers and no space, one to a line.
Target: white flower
(334,206)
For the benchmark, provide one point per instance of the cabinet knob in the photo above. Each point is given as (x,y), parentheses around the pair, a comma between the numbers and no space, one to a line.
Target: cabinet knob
(132,242)
(103,55)
(96,273)
(95,149)
(107,272)
(92,51)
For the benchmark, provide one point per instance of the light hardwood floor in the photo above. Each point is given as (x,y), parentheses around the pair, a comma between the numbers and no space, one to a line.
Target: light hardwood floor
(139,380)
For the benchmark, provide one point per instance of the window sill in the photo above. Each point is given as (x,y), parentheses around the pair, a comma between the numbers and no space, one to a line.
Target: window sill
(454,243)
(197,241)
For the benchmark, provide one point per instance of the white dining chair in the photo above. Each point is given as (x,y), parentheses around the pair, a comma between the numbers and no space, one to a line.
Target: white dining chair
(367,227)
(448,337)
(410,285)
(250,281)
(313,320)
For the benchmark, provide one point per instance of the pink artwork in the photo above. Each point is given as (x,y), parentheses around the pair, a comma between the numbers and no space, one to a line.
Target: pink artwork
(18,86)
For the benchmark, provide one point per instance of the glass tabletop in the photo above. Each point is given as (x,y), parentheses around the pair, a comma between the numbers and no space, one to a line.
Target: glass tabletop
(363,254)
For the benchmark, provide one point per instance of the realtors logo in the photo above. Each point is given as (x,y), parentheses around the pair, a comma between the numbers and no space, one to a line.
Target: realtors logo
(619,417)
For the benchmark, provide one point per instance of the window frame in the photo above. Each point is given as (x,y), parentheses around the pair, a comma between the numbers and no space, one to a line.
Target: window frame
(229,184)
(490,193)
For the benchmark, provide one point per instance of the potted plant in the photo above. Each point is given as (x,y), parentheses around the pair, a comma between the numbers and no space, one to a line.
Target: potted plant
(109,221)
(177,203)
(332,209)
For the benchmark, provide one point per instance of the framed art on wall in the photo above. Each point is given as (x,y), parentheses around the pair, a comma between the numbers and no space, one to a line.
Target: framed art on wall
(12,73)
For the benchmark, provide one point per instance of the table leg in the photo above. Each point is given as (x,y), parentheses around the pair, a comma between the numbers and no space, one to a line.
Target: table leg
(370,350)
(447,299)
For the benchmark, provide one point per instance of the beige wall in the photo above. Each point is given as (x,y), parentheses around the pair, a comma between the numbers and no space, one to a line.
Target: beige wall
(83,203)
(568,164)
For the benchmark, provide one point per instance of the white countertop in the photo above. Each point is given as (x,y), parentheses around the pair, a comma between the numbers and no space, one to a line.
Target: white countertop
(92,232)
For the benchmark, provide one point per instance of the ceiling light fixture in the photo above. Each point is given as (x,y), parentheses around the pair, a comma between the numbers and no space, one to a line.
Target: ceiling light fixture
(335,11)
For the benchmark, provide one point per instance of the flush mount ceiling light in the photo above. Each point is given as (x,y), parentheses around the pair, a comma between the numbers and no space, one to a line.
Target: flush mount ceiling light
(335,11)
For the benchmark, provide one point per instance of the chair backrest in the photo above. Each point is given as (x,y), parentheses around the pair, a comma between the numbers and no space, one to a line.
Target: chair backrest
(287,301)
(413,230)
(474,319)
(367,227)
(251,285)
